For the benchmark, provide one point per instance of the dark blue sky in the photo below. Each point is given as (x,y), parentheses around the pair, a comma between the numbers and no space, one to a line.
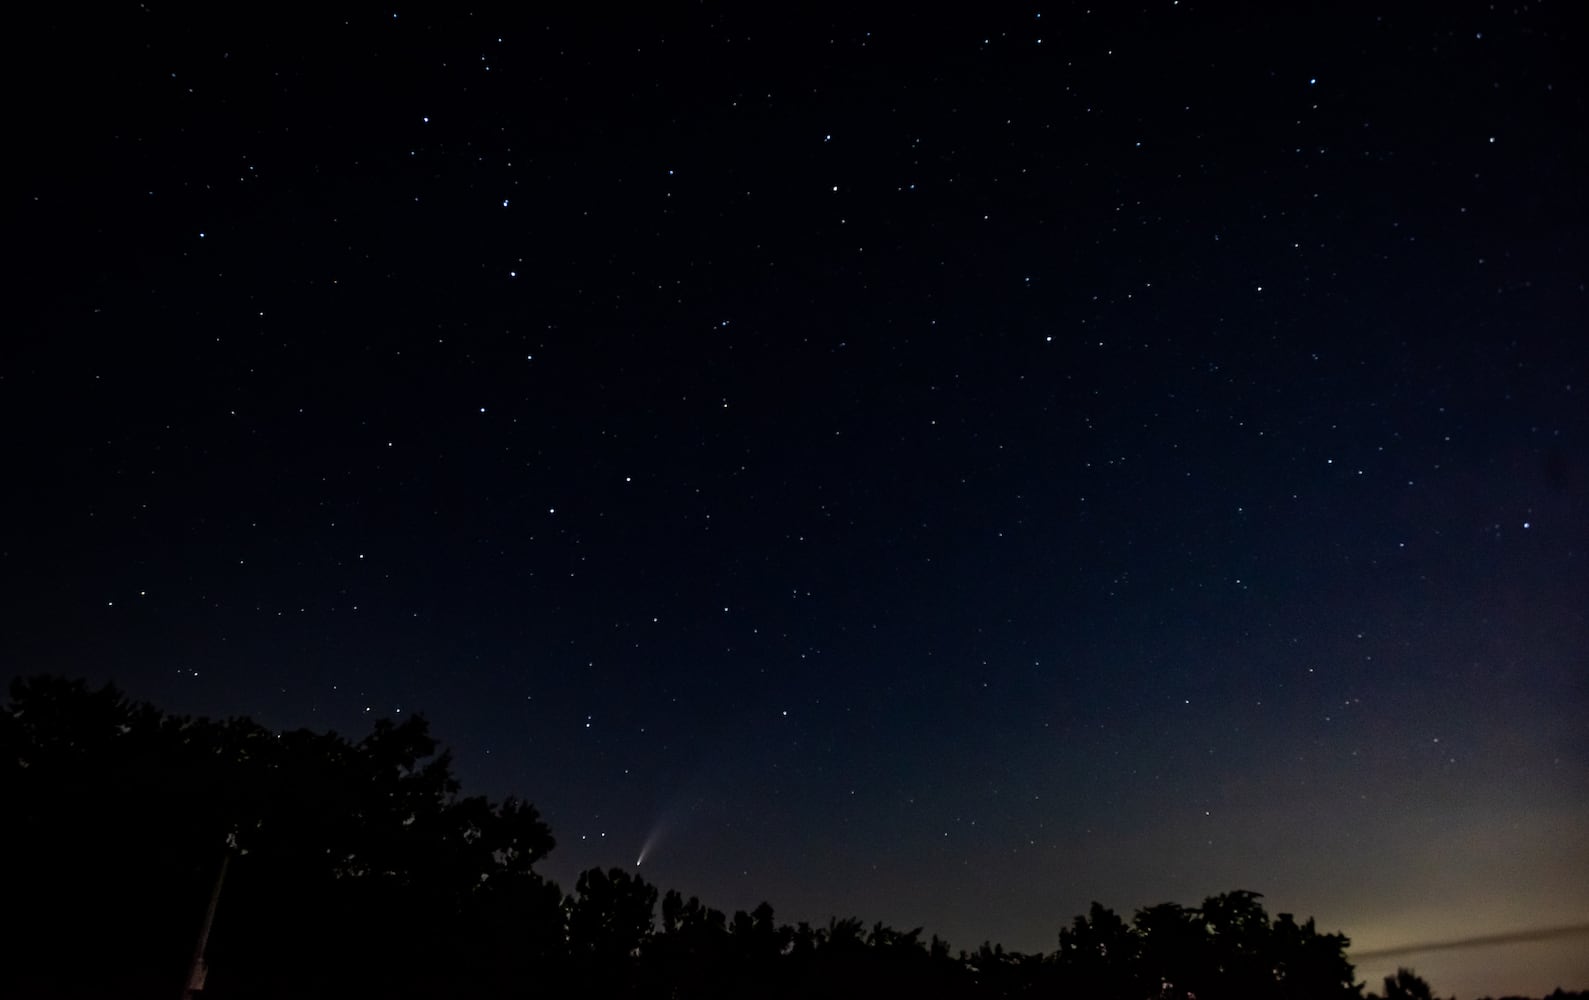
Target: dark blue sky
(944,470)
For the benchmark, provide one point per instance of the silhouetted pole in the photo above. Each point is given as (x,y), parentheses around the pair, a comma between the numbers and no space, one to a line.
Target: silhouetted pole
(198,970)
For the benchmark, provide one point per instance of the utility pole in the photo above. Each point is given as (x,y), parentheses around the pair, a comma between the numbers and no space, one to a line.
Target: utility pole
(199,969)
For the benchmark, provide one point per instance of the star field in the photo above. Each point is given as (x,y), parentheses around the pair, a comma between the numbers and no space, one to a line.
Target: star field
(945,470)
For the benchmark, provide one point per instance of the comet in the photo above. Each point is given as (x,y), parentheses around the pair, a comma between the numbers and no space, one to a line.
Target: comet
(652,839)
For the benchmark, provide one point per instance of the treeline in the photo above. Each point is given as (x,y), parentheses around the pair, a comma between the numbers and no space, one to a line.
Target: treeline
(358,869)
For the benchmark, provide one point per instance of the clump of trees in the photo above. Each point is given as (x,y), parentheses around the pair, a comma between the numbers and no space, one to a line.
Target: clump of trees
(357,868)
(354,865)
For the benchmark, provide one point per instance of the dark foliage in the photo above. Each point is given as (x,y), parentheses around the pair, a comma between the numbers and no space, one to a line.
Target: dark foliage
(1408,985)
(357,869)
(355,865)
(1405,985)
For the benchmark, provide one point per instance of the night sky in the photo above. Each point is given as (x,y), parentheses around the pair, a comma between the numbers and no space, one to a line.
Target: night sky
(943,468)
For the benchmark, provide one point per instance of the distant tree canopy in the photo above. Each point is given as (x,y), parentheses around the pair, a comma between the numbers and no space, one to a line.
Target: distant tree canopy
(1405,985)
(358,869)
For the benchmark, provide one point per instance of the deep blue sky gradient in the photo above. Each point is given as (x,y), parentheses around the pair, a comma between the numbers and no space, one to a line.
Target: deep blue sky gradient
(941,470)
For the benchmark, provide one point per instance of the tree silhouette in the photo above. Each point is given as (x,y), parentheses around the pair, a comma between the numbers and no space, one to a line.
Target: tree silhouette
(1309,965)
(357,868)
(610,915)
(351,861)
(1098,956)
(1406,985)
(609,921)
(1174,952)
